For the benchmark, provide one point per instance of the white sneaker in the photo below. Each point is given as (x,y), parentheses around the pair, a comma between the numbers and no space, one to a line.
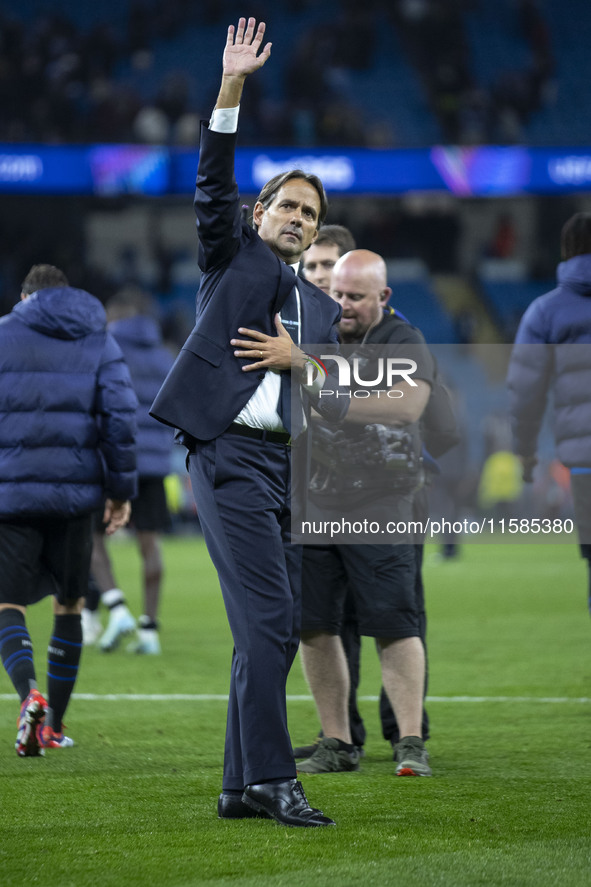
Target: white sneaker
(92,627)
(29,723)
(49,739)
(147,643)
(121,622)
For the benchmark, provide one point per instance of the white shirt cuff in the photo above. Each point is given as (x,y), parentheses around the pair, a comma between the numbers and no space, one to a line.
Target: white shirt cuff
(224,119)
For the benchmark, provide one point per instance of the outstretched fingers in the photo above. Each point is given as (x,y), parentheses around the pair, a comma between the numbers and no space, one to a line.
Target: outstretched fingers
(255,39)
(230,36)
(244,33)
(258,39)
(240,29)
(243,54)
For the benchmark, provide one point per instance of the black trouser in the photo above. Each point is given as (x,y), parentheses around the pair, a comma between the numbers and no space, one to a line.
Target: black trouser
(242,488)
(352,645)
(42,556)
(581,491)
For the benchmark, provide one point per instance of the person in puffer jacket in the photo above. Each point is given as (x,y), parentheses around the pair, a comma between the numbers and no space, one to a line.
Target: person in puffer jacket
(131,315)
(67,441)
(552,355)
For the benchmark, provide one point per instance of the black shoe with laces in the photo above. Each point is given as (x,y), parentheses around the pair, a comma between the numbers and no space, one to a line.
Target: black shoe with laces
(285,802)
(231,806)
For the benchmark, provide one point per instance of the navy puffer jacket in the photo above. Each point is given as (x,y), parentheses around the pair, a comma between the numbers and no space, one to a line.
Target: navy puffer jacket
(552,351)
(149,361)
(67,408)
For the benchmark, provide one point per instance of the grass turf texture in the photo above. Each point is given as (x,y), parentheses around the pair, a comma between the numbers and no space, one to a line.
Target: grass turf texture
(135,801)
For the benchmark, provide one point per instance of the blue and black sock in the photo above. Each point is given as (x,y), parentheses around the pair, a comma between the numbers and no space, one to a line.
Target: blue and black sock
(16,651)
(63,659)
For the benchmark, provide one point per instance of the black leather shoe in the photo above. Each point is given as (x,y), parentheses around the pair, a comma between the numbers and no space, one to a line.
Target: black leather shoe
(231,806)
(285,802)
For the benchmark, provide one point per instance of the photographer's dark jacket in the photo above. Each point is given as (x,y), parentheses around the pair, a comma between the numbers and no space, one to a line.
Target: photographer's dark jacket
(67,408)
(358,463)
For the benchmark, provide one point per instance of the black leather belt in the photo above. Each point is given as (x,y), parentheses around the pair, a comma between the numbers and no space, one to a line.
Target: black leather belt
(280,437)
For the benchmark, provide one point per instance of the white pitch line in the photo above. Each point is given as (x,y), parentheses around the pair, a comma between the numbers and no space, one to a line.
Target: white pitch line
(546,699)
(214,697)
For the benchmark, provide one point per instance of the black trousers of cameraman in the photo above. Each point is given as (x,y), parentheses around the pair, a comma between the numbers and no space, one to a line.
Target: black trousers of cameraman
(352,644)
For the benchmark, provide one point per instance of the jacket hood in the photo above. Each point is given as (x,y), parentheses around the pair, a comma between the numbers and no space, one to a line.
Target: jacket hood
(62,312)
(576,273)
(141,330)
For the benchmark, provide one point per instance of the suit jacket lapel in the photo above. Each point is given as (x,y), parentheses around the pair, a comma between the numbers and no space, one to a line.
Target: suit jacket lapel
(311,317)
(286,284)
(311,314)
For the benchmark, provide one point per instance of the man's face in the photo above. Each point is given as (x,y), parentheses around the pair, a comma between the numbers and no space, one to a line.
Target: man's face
(362,297)
(290,223)
(318,263)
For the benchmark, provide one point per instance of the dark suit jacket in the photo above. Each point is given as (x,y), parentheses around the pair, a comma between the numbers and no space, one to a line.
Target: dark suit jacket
(243,284)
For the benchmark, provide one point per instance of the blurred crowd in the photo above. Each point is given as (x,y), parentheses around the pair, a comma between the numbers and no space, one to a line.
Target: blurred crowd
(61,81)
(436,39)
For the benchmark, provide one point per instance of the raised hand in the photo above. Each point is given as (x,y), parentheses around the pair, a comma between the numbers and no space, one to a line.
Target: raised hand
(243,54)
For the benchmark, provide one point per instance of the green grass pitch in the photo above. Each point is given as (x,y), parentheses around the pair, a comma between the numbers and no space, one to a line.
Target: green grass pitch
(134,802)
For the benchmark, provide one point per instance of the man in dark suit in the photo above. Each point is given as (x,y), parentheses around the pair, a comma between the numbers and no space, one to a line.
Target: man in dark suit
(227,395)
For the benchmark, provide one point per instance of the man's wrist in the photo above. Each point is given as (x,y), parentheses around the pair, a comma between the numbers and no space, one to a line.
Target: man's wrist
(230,91)
(233,78)
(299,362)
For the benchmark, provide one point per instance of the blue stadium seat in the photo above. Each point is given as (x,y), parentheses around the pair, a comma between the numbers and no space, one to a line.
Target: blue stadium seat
(495,45)
(83,13)
(417,301)
(509,298)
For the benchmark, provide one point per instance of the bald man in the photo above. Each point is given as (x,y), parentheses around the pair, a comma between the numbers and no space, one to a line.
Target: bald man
(381,577)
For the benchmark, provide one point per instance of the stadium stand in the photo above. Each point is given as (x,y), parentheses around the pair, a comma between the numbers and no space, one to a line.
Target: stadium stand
(401,74)
(343,75)
(413,296)
(513,62)
(472,321)
(391,95)
(565,118)
(508,296)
